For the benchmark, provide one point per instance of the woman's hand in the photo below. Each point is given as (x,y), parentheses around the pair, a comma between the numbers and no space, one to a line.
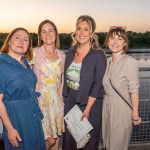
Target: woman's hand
(14,137)
(86,114)
(136,119)
(88,108)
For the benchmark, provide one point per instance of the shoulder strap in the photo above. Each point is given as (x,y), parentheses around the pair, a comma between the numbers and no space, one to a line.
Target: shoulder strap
(120,94)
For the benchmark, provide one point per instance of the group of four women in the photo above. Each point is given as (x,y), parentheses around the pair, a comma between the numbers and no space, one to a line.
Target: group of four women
(33,102)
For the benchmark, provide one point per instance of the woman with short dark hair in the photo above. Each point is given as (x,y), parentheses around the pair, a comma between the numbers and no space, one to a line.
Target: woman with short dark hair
(121,84)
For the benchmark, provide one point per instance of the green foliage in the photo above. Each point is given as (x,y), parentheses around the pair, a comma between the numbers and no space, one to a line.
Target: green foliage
(136,40)
(101,38)
(65,40)
(139,40)
(34,39)
(2,38)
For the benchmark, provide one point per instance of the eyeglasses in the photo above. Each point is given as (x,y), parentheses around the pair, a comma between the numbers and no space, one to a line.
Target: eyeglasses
(121,27)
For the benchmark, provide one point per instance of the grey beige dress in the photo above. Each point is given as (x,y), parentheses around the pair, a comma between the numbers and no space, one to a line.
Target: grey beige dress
(117,123)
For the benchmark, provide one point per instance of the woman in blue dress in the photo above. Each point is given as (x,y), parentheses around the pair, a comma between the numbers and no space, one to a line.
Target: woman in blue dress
(19,108)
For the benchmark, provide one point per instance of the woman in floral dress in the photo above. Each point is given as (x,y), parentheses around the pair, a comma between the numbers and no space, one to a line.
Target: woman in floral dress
(49,66)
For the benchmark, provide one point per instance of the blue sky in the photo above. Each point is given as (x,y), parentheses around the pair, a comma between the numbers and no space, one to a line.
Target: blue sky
(135,14)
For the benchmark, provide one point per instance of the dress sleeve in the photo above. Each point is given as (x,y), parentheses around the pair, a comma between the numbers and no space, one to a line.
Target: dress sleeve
(98,75)
(132,73)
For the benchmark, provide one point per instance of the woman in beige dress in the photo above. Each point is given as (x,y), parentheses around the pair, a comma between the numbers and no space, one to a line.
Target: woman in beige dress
(122,72)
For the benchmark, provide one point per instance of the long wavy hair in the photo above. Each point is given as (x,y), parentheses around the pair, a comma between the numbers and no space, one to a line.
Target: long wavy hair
(5,47)
(94,37)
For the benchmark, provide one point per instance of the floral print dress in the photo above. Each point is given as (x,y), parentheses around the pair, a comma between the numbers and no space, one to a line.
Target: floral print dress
(51,100)
(50,76)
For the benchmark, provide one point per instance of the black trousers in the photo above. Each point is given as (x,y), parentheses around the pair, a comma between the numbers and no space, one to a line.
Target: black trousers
(95,118)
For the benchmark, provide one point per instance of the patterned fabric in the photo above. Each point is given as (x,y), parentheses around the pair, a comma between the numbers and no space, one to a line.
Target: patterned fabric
(73,75)
(50,76)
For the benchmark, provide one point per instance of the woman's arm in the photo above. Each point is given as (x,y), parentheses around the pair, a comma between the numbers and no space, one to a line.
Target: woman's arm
(13,135)
(135,104)
(98,75)
(87,110)
(133,87)
(97,83)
